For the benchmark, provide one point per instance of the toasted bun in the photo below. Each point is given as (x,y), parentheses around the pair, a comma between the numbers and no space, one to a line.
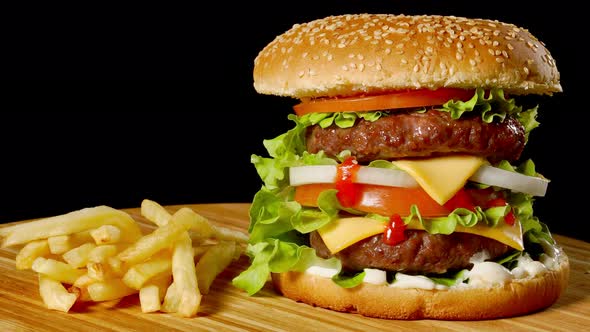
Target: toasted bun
(515,298)
(371,53)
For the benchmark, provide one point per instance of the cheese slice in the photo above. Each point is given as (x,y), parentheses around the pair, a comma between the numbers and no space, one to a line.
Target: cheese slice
(344,232)
(441,177)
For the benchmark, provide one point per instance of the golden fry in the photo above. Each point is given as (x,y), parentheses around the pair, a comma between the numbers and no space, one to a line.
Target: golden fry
(100,254)
(62,243)
(112,289)
(106,234)
(54,294)
(27,255)
(160,238)
(155,212)
(183,295)
(213,262)
(78,257)
(56,270)
(139,274)
(73,222)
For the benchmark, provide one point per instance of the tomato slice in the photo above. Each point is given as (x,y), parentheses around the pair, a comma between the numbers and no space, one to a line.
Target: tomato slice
(378,199)
(400,99)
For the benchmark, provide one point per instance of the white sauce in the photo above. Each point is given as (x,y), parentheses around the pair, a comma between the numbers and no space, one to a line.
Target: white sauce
(375,276)
(483,274)
(408,281)
(321,271)
(487,274)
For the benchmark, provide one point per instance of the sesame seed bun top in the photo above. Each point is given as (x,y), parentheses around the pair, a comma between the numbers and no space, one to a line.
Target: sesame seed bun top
(375,53)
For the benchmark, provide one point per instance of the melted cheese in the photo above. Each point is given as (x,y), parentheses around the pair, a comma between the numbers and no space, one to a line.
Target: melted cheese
(344,232)
(441,177)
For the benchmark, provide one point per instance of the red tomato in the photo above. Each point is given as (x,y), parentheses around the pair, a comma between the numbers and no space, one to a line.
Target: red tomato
(395,100)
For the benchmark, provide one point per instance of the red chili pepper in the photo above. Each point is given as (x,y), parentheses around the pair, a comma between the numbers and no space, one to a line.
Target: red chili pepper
(394,231)
(348,192)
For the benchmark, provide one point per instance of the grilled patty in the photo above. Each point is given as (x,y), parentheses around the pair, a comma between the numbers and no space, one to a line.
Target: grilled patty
(421,252)
(414,134)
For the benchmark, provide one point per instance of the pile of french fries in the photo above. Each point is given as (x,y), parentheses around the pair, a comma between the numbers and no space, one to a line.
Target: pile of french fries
(100,254)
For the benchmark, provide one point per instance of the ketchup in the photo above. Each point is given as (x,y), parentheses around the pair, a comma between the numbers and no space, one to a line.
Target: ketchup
(348,192)
(394,230)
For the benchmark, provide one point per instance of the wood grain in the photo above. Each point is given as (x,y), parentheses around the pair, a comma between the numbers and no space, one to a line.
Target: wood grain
(227,308)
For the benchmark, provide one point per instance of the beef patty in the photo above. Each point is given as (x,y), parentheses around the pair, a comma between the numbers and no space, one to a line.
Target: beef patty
(414,134)
(421,252)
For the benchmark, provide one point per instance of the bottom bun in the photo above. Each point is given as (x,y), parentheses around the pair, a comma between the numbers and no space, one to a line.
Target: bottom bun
(517,297)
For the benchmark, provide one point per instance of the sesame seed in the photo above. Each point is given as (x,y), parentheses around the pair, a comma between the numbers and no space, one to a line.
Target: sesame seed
(472,62)
(388,41)
(526,70)
(505,54)
(459,56)
(344,68)
(361,66)
(490,51)
(416,68)
(316,57)
(495,43)
(360,56)
(404,61)
(387,50)
(510,47)
(351,55)
(330,57)
(301,73)
(498,52)
(500,60)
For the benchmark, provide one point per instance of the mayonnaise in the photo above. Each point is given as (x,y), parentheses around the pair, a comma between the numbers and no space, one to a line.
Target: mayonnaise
(482,274)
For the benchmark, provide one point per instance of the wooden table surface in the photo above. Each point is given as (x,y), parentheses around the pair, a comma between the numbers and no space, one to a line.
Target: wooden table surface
(227,308)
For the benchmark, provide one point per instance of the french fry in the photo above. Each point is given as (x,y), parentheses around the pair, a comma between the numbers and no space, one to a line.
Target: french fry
(84,280)
(54,294)
(73,222)
(116,265)
(183,296)
(62,243)
(149,299)
(57,270)
(160,238)
(81,293)
(106,234)
(155,212)
(228,234)
(213,262)
(101,253)
(112,289)
(139,274)
(31,251)
(78,257)
(152,294)
(99,271)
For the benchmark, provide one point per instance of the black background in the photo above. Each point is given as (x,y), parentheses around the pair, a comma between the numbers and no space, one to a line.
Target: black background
(110,104)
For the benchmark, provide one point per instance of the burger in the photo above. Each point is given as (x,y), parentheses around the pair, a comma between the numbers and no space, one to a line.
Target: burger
(400,191)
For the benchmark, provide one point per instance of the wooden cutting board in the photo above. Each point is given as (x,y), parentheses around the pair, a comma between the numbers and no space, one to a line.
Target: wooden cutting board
(227,308)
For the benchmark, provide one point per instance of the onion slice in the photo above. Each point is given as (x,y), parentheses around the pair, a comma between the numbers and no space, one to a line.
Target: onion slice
(514,181)
(486,174)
